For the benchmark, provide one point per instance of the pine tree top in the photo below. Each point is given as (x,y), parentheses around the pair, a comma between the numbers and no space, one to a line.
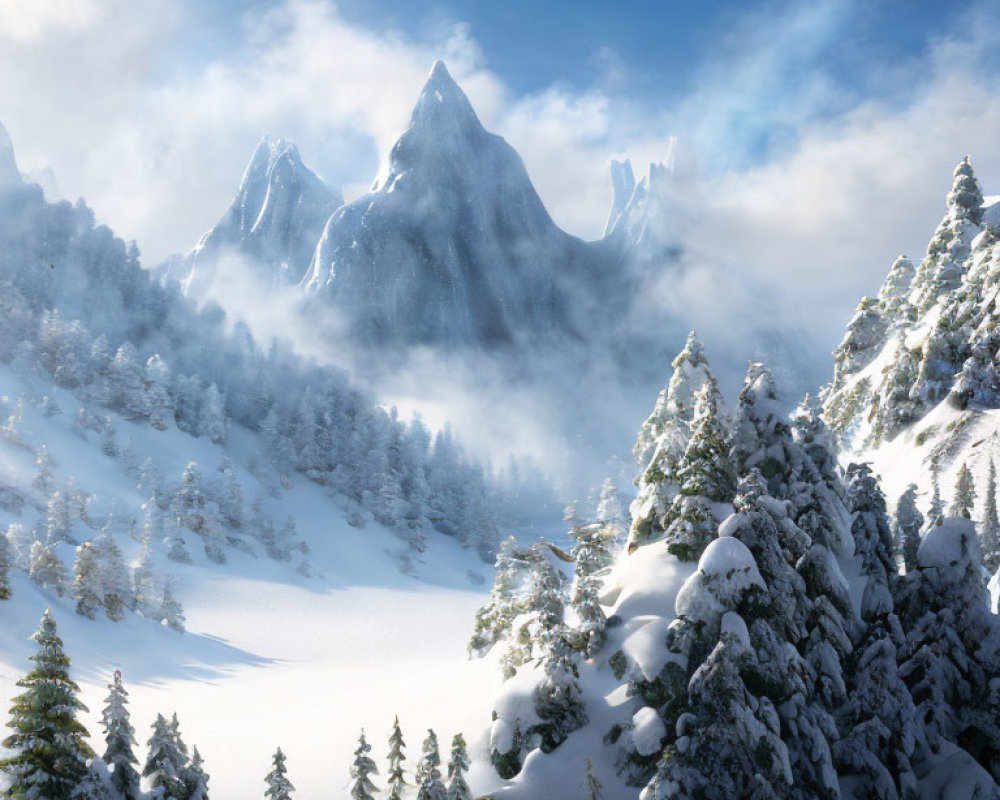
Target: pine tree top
(965,200)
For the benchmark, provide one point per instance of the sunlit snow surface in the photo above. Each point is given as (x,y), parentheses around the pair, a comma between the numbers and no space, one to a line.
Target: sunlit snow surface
(269,658)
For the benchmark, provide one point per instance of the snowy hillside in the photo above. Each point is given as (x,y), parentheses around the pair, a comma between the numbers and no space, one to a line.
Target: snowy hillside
(754,637)
(916,388)
(269,657)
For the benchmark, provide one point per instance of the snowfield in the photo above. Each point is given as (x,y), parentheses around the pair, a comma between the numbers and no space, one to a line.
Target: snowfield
(269,657)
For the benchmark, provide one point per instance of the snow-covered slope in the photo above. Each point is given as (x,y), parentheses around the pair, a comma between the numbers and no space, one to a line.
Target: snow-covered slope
(270,657)
(270,227)
(916,387)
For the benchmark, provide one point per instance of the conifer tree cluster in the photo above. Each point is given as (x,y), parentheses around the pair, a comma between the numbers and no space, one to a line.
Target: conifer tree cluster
(428,782)
(776,681)
(50,754)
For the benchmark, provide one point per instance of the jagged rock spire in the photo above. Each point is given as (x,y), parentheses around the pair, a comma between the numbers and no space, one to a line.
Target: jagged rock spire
(8,165)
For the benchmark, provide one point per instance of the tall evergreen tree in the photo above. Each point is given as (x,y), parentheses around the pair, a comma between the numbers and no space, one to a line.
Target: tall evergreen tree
(88,590)
(965,494)
(949,659)
(6,560)
(592,783)
(704,476)
(47,569)
(909,523)
(990,526)
(397,780)
(935,513)
(278,785)
(363,766)
(195,778)
(165,761)
(114,574)
(428,775)
(458,765)
(120,737)
(49,742)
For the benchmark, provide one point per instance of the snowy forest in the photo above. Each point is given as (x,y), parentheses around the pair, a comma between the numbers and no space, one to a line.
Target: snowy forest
(751,595)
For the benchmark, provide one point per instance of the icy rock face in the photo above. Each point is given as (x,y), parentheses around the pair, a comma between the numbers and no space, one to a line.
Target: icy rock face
(647,216)
(8,166)
(454,245)
(272,224)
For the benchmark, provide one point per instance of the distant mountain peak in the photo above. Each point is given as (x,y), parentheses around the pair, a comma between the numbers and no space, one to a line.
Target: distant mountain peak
(273,222)
(8,165)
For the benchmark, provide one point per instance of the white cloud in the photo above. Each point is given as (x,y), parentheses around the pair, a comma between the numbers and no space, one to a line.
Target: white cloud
(156,139)
(28,21)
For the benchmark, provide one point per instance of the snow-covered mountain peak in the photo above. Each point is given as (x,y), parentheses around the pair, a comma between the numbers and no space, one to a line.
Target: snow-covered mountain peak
(645,214)
(440,97)
(453,245)
(272,224)
(8,165)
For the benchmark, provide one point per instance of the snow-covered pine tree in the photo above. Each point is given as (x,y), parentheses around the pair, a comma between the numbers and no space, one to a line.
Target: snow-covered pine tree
(542,619)
(278,785)
(989,528)
(114,575)
(189,500)
(728,740)
(787,618)
(942,269)
(363,766)
(6,561)
(609,512)
(893,296)
(494,619)
(396,778)
(592,783)
(965,200)
(157,388)
(558,697)
(165,761)
(120,738)
(127,374)
(44,480)
(458,765)
(662,441)
(870,528)
(49,745)
(59,518)
(877,720)
(229,495)
(909,523)
(145,598)
(675,403)
(178,551)
(428,774)
(965,494)
(47,569)
(865,334)
(88,589)
(880,733)
(213,422)
(171,611)
(195,778)
(704,476)
(935,514)
(950,658)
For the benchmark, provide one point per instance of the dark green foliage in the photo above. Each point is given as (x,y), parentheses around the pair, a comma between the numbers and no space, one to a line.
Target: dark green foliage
(120,738)
(278,785)
(50,751)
